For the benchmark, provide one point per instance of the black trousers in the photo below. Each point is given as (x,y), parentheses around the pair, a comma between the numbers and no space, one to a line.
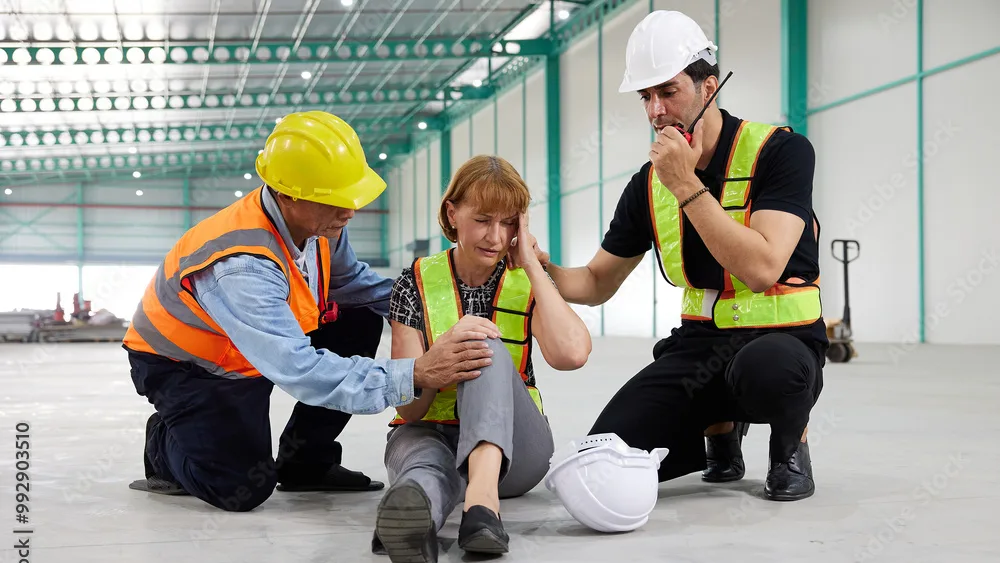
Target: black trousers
(213,435)
(701,377)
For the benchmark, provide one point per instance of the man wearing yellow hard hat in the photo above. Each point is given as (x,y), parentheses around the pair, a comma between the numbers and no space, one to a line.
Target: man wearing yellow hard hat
(268,292)
(729,217)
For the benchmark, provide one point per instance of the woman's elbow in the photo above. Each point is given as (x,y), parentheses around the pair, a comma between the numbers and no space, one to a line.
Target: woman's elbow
(574,358)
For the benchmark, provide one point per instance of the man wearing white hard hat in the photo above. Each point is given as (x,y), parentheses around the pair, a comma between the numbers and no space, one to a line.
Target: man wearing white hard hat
(729,216)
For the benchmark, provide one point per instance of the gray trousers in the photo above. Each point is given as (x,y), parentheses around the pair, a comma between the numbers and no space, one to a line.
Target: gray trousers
(496,408)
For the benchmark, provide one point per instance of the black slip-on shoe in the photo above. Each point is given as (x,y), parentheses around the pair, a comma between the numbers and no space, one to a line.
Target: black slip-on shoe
(404,526)
(482,531)
(159,486)
(724,456)
(337,479)
(791,479)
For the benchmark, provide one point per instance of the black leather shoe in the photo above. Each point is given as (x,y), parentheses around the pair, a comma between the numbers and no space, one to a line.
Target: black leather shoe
(791,479)
(724,456)
(482,531)
(404,526)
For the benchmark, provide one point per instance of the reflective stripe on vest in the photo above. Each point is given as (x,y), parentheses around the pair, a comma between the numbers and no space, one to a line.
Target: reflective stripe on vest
(735,306)
(442,309)
(169,322)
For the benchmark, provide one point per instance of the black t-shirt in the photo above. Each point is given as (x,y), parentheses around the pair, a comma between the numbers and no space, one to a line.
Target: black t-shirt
(783,181)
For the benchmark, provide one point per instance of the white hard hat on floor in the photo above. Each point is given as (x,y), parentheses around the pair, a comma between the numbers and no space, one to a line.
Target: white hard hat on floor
(605,484)
(661,46)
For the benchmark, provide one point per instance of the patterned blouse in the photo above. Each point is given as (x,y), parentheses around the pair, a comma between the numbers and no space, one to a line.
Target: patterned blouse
(405,306)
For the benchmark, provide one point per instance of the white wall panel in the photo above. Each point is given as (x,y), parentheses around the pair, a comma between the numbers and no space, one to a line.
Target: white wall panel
(483,141)
(865,189)
(851,50)
(435,192)
(536,166)
(579,234)
(510,134)
(750,46)
(578,113)
(954,29)
(962,237)
(627,133)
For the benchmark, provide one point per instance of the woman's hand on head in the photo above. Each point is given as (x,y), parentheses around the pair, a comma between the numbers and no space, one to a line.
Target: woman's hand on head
(524,248)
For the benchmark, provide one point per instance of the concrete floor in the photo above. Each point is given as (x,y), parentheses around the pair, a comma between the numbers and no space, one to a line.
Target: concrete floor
(903,442)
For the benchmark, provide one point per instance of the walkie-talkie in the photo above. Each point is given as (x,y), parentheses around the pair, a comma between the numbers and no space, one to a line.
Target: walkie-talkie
(702,112)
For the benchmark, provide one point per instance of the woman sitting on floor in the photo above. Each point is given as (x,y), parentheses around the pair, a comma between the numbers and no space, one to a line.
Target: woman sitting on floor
(503,445)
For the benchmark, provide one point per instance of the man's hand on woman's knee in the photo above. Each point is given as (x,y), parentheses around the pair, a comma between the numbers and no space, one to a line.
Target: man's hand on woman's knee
(458,355)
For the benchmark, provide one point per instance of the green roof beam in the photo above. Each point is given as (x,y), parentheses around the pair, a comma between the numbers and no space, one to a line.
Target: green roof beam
(128,102)
(197,53)
(216,133)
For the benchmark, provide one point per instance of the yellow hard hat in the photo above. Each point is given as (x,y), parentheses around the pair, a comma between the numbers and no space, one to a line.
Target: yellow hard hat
(317,156)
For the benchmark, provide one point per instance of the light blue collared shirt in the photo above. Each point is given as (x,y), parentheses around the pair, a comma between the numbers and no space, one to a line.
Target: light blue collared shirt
(246,295)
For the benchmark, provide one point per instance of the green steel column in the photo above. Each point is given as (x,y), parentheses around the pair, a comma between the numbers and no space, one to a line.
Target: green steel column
(554,157)
(920,169)
(718,56)
(79,239)
(795,63)
(445,171)
(430,212)
(413,159)
(600,138)
(186,190)
(384,225)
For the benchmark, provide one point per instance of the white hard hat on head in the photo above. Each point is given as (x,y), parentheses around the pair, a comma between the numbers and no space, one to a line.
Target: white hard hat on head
(661,46)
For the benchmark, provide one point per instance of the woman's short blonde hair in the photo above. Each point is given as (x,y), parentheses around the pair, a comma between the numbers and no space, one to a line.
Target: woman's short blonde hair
(489,183)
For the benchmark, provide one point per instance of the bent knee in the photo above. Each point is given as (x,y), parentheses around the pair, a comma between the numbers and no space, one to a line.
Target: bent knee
(242,497)
(235,490)
(774,363)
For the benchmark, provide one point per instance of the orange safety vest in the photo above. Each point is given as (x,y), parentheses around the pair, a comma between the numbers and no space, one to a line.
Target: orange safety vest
(170,323)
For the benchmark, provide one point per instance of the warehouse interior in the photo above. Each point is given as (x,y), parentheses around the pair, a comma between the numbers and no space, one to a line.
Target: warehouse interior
(124,124)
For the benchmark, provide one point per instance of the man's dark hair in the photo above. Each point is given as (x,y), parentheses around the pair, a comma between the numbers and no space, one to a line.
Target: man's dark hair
(700,70)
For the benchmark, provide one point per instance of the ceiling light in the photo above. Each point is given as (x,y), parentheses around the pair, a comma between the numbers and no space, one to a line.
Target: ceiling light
(8,191)
(88,31)
(137,174)
(246,177)
(133,150)
(306,75)
(563,14)
(43,31)
(277,120)
(477,83)
(383,156)
(138,192)
(422,125)
(238,193)
(347,2)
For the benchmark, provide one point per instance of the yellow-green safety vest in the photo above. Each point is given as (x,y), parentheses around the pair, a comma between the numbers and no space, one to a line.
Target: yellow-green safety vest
(442,308)
(792,302)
